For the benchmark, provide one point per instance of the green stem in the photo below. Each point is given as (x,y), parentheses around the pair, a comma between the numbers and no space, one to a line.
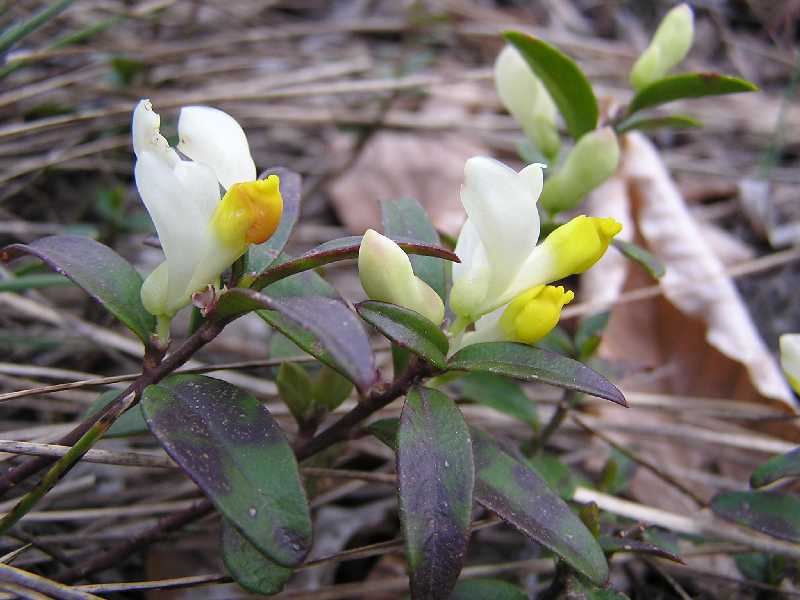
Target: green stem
(15,34)
(162,328)
(564,407)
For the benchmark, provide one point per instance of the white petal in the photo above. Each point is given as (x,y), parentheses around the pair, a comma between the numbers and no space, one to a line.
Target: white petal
(516,84)
(146,134)
(466,245)
(216,139)
(539,268)
(790,357)
(502,206)
(487,329)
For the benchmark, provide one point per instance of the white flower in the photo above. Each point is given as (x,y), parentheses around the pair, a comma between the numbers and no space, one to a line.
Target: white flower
(790,359)
(387,276)
(201,233)
(497,244)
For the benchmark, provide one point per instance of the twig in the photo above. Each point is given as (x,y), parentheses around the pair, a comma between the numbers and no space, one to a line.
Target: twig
(40,584)
(657,471)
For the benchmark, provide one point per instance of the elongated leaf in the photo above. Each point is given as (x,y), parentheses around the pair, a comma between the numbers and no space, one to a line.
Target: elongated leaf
(249,567)
(638,254)
(230,445)
(131,422)
(533,364)
(590,333)
(341,249)
(436,477)
(774,513)
(405,218)
(556,474)
(688,85)
(501,394)
(520,497)
(776,468)
(261,256)
(613,545)
(99,271)
(385,430)
(649,123)
(578,588)
(324,327)
(564,80)
(408,329)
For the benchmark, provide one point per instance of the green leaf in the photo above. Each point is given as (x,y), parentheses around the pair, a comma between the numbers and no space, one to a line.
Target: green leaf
(99,271)
(330,389)
(229,444)
(485,589)
(638,254)
(774,513)
(766,568)
(385,430)
(405,218)
(131,422)
(294,387)
(501,394)
(514,492)
(578,588)
(558,341)
(435,476)
(408,329)
(564,80)
(533,364)
(648,123)
(249,567)
(33,282)
(261,256)
(590,333)
(324,327)
(614,545)
(617,474)
(340,249)
(688,85)
(555,473)
(776,468)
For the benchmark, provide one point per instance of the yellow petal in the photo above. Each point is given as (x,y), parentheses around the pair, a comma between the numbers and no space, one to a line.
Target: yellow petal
(534,313)
(580,243)
(249,212)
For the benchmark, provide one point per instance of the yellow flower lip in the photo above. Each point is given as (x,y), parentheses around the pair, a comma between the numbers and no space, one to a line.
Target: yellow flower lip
(250,212)
(534,313)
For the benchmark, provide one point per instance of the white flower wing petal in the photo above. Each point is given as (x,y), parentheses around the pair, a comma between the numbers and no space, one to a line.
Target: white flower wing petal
(214,138)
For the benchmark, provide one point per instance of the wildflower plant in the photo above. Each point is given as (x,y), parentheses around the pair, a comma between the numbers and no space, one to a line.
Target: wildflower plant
(476,316)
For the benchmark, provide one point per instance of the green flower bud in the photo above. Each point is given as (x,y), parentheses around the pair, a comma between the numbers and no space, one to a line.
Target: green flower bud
(593,160)
(670,45)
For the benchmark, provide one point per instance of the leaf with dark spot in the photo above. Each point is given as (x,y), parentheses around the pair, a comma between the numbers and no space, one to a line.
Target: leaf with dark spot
(261,256)
(408,329)
(324,327)
(435,477)
(99,271)
(249,567)
(776,468)
(230,445)
(774,513)
(534,364)
(520,497)
(405,218)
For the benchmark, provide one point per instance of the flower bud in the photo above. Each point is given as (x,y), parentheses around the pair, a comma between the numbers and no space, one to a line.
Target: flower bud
(790,359)
(387,276)
(593,160)
(528,101)
(533,314)
(670,45)
(577,245)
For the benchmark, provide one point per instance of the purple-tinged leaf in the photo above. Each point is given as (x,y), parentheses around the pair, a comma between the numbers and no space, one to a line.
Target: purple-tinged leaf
(514,492)
(340,249)
(614,545)
(774,513)
(408,329)
(776,468)
(435,478)
(405,218)
(261,256)
(98,270)
(248,566)
(324,327)
(229,444)
(534,364)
